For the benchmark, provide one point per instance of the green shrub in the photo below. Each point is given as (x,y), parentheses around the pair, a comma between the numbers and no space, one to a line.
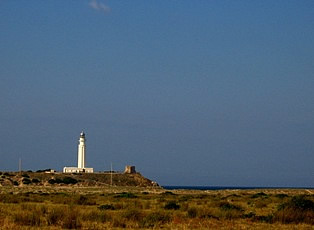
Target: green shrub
(155,219)
(35,180)
(51,181)
(249,215)
(172,205)
(281,195)
(25,175)
(26,181)
(260,194)
(168,193)
(82,200)
(230,211)
(298,203)
(65,180)
(58,181)
(228,206)
(126,195)
(69,180)
(43,170)
(297,210)
(106,207)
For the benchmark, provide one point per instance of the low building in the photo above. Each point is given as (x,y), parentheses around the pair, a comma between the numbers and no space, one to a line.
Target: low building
(77,170)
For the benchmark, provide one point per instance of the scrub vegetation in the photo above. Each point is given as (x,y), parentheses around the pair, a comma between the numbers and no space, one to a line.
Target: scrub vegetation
(44,178)
(38,207)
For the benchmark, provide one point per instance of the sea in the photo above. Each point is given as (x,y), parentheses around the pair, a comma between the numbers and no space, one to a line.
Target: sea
(227,187)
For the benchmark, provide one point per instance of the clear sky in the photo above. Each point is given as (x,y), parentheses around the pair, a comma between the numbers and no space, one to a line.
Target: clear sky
(190,92)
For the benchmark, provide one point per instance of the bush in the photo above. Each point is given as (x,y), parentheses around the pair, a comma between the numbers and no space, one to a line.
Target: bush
(249,215)
(51,181)
(155,219)
(82,200)
(26,181)
(69,180)
(58,181)
(297,210)
(260,194)
(43,170)
(227,206)
(230,211)
(172,205)
(168,193)
(106,207)
(15,183)
(126,195)
(25,175)
(298,203)
(7,174)
(35,180)
(281,195)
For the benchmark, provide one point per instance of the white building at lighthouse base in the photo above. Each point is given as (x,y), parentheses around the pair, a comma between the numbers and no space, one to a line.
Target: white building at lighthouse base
(77,170)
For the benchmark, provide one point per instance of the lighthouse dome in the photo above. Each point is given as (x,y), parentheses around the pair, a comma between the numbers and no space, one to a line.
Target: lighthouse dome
(82,134)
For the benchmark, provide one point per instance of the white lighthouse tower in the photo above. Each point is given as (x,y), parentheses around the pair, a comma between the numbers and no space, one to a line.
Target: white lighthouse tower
(81,153)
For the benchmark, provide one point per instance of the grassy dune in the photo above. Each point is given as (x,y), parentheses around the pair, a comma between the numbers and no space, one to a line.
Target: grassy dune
(68,207)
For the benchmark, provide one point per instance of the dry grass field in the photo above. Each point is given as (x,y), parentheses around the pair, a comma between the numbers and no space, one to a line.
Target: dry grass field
(69,207)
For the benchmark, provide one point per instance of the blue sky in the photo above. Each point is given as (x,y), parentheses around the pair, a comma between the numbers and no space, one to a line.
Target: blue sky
(190,92)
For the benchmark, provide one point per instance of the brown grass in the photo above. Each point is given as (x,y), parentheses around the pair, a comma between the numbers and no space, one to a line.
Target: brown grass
(90,208)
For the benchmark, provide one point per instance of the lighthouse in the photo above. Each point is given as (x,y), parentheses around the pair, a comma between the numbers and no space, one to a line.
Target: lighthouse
(81,152)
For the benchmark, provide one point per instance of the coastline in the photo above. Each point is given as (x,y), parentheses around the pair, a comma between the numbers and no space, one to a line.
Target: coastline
(203,188)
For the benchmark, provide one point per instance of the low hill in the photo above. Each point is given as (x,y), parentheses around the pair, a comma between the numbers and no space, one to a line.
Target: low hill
(75,179)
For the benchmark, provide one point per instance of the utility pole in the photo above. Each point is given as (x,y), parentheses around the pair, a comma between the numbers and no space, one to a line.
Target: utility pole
(111,173)
(20,165)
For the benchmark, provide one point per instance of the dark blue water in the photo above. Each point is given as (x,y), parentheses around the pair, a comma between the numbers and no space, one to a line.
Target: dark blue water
(227,187)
